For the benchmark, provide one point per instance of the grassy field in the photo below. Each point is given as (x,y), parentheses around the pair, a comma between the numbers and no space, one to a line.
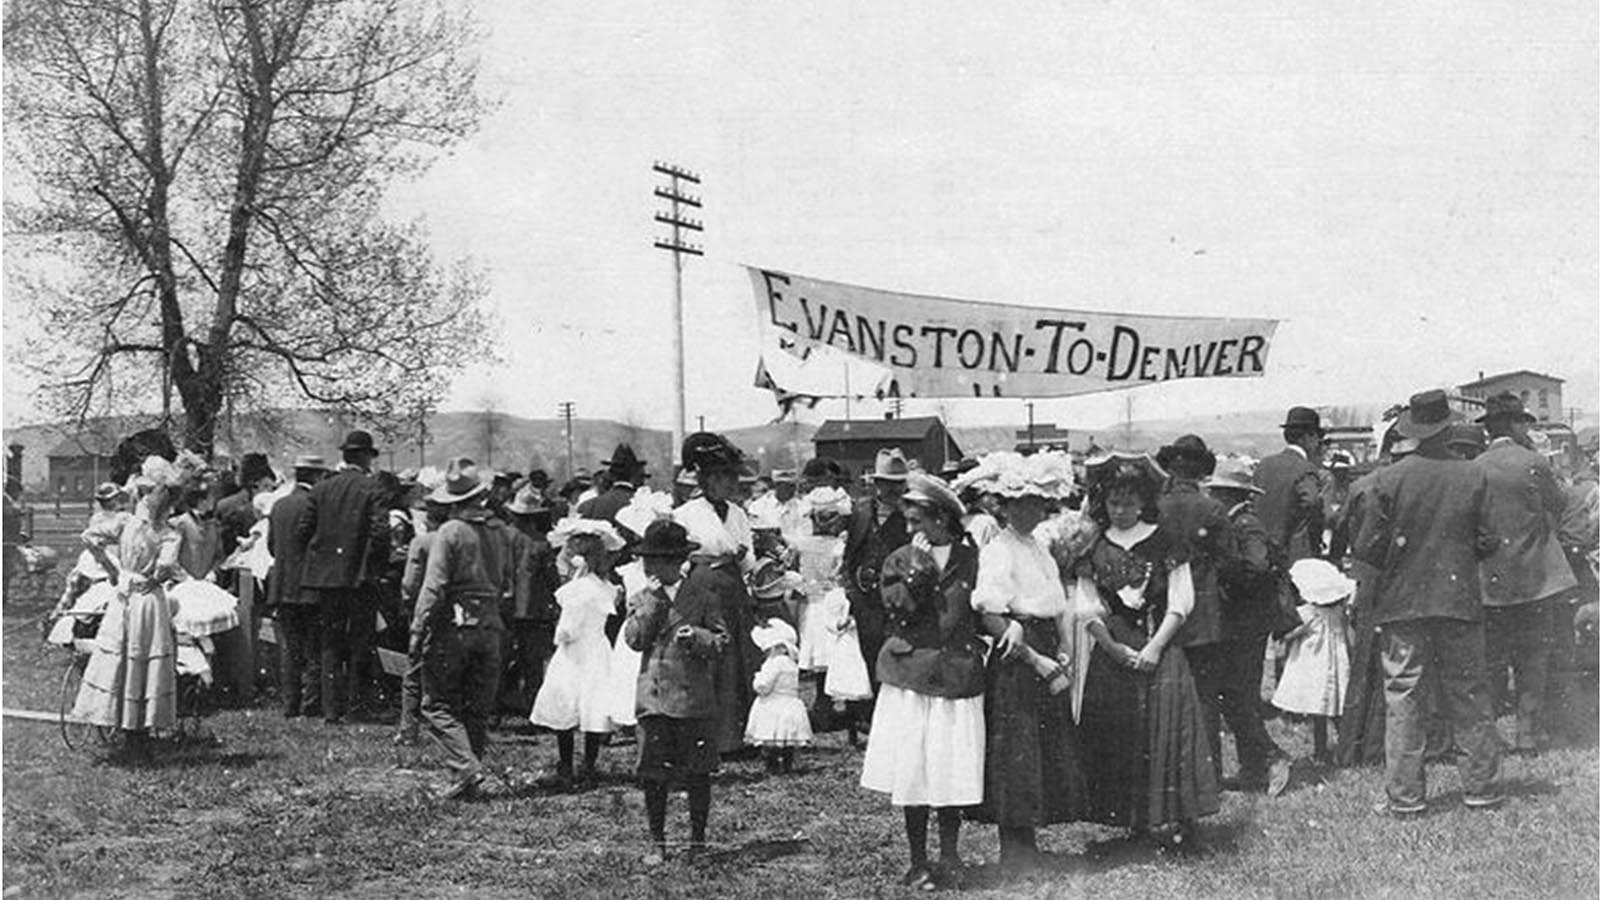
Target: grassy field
(279,808)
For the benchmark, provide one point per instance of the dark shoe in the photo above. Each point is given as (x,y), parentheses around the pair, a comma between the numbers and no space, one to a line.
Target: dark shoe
(919,878)
(1398,810)
(465,789)
(1484,801)
(950,873)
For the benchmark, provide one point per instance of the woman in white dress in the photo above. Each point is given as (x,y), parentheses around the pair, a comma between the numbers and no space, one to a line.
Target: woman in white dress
(575,694)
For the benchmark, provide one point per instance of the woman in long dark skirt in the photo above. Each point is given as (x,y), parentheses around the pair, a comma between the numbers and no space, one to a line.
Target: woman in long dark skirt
(1032,775)
(1145,754)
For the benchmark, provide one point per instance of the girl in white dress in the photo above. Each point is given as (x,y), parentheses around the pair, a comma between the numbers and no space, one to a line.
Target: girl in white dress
(574,695)
(778,720)
(1317,671)
(821,558)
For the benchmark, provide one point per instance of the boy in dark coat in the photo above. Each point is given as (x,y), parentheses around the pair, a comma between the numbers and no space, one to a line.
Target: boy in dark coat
(679,632)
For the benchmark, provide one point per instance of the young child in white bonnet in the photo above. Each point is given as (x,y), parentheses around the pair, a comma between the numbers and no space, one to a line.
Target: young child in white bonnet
(1316,673)
(778,721)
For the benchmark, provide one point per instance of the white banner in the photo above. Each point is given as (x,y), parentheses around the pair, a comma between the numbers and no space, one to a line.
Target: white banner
(911,345)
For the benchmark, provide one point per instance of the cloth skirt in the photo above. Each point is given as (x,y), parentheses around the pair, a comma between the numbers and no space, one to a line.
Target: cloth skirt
(576,692)
(778,720)
(815,639)
(623,690)
(925,751)
(1032,773)
(847,669)
(131,681)
(1145,754)
(1315,678)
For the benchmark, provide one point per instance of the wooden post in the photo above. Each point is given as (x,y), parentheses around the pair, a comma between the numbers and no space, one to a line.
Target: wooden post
(242,669)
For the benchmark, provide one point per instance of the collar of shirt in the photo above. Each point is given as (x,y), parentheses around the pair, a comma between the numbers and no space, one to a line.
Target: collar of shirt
(1300,450)
(1234,510)
(1502,439)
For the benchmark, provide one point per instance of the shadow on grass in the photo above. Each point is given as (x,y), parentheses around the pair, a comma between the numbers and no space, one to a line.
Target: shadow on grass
(193,754)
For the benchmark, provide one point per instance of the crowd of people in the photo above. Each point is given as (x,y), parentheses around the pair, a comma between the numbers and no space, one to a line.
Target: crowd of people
(1024,640)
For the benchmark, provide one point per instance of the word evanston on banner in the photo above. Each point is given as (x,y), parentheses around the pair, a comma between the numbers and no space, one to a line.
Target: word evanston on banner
(941,347)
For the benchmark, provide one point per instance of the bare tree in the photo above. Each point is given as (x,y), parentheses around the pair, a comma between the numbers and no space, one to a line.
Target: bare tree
(215,169)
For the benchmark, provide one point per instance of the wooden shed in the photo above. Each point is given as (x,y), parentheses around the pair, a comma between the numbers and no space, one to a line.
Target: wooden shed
(855,443)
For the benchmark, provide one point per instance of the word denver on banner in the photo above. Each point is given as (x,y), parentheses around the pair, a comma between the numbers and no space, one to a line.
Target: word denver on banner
(939,347)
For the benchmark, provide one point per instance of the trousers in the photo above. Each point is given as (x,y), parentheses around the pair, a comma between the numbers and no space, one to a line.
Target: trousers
(460,676)
(1450,651)
(347,624)
(299,658)
(1519,639)
(1227,678)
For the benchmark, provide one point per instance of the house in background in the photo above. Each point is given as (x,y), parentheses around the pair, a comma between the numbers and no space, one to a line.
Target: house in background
(855,443)
(77,464)
(1541,394)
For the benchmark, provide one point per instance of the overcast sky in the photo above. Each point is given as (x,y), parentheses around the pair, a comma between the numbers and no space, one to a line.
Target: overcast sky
(1412,187)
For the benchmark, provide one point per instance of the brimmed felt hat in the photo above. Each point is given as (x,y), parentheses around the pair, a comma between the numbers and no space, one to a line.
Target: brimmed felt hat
(1426,415)
(255,467)
(1303,417)
(704,451)
(528,501)
(358,440)
(924,489)
(771,581)
(890,465)
(1232,476)
(1466,434)
(774,633)
(1190,446)
(1505,405)
(1320,582)
(317,462)
(665,537)
(107,491)
(461,482)
(624,463)
(1121,464)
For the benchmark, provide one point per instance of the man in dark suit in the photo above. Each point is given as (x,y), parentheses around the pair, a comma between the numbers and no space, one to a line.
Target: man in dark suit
(626,473)
(294,609)
(1291,490)
(1527,582)
(344,529)
(1423,529)
(876,529)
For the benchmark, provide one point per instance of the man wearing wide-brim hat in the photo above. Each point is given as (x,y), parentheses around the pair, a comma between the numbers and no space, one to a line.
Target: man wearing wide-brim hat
(344,529)
(457,627)
(533,611)
(1291,487)
(1527,582)
(1248,588)
(626,472)
(1427,530)
(876,529)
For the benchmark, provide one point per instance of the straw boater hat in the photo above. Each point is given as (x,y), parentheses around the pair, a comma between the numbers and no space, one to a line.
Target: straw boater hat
(776,632)
(1426,415)
(600,528)
(1190,446)
(461,482)
(890,465)
(771,581)
(1046,474)
(315,461)
(1232,475)
(1320,582)
(925,489)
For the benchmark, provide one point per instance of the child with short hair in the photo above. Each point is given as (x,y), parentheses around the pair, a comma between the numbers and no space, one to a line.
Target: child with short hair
(677,627)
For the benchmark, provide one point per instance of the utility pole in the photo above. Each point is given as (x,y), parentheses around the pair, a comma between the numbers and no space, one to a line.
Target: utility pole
(673,193)
(564,410)
(1029,405)
(422,435)
(702,420)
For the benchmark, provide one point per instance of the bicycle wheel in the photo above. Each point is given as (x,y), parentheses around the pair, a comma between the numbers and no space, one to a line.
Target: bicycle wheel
(77,735)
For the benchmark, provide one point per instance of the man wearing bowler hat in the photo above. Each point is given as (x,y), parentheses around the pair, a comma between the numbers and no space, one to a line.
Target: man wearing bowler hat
(876,529)
(457,628)
(343,533)
(1424,528)
(1291,488)
(1527,583)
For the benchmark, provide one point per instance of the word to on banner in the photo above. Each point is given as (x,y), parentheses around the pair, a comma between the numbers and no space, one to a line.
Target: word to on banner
(939,347)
